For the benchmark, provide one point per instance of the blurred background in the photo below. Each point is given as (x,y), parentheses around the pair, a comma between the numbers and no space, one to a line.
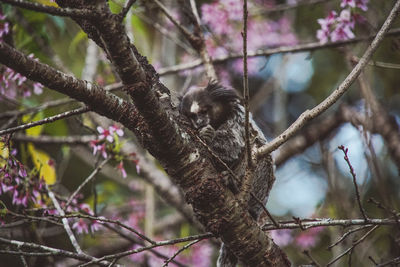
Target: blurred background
(313,179)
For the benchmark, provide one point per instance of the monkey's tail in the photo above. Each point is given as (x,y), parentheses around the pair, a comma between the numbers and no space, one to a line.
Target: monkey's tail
(226,258)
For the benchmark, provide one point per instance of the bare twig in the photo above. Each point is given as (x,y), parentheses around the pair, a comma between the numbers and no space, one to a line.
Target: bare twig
(71,140)
(66,12)
(343,237)
(246,84)
(390,262)
(53,251)
(335,95)
(46,120)
(158,244)
(65,222)
(126,8)
(200,44)
(87,180)
(353,174)
(271,51)
(313,261)
(310,223)
(188,35)
(180,250)
(353,246)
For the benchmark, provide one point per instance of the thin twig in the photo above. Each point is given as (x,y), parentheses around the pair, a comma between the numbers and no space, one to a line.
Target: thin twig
(343,237)
(307,47)
(52,103)
(390,262)
(246,84)
(87,180)
(65,222)
(180,250)
(126,9)
(166,12)
(335,95)
(65,12)
(311,223)
(46,120)
(158,244)
(71,140)
(23,259)
(353,246)
(102,219)
(53,251)
(353,174)
(313,261)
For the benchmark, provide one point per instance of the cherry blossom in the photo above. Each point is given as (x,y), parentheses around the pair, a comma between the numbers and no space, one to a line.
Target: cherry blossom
(81,226)
(105,134)
(120,167)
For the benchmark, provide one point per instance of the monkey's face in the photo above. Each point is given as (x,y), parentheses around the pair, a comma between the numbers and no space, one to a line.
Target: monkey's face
(197,107)
(209,105)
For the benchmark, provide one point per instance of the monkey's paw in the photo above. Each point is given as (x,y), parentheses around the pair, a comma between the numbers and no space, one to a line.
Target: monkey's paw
(207,133)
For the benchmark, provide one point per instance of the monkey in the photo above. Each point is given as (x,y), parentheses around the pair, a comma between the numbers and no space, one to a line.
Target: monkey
(217,114)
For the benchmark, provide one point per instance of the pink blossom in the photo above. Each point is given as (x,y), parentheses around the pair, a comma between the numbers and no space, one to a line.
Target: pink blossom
(116,129)
(201,254)
(121,168)
(323,36)
(234,8)
(216,17)
(346,19)
(350,3)
(95,226)
(80,226)
(85,208)
(4,29)
(19,78)
(362,4)
(37,88)
(282,237)
(308,238)
(342,33)
(105,134)
(5,188)
(98,147)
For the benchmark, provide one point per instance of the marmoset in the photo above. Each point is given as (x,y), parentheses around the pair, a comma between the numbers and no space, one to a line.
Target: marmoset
(217,114)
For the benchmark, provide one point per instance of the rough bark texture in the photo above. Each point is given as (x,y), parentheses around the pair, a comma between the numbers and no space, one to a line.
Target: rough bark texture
(156,124)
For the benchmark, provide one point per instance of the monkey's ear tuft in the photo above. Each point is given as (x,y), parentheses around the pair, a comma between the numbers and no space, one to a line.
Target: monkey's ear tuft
(221,93)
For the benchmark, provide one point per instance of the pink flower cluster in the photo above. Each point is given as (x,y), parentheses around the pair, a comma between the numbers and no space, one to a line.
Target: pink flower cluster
(80,225)
(28,189)
(4,26)
(108,142)
(14,180)
(305,239)
(106,137)
(13,84)
(225,22)
(83,225)
(338,28)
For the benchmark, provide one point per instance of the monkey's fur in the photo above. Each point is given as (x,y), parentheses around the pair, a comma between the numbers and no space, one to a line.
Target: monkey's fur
(217,114)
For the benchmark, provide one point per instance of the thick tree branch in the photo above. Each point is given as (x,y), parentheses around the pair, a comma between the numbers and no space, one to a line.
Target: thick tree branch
(157,129)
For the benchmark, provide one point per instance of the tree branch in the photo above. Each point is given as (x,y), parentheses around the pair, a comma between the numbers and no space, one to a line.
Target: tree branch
(65,12)
(308,47)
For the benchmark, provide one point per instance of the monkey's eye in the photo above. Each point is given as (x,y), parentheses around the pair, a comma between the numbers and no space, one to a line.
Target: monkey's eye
(203,112)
